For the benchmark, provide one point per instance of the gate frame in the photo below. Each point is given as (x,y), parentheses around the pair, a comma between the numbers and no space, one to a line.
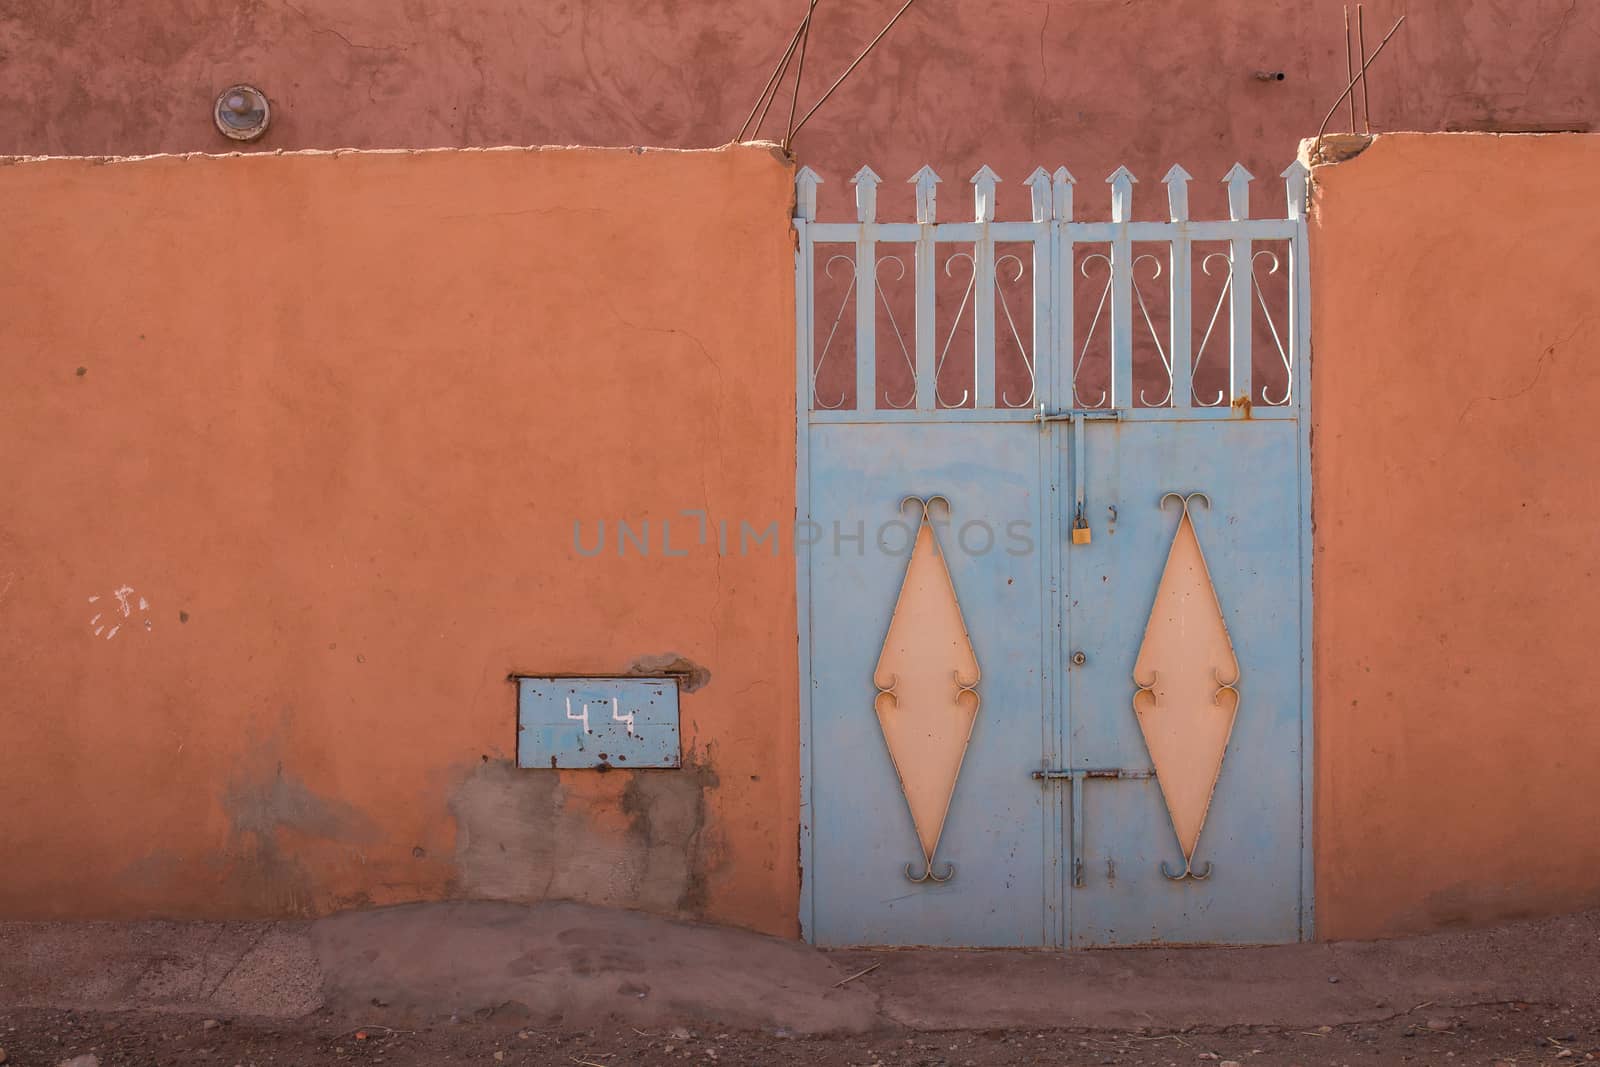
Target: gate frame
(1299,321)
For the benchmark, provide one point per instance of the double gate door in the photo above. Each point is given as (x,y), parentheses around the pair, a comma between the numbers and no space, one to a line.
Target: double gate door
(1055,593)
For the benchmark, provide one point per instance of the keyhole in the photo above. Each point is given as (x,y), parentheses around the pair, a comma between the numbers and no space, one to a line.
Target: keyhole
(1079,659)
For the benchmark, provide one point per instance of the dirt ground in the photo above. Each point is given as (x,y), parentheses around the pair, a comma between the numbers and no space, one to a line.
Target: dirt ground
(1481,1034)
(492,983)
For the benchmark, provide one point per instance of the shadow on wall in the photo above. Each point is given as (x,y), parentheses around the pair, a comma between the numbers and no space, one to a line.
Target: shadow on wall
(265,809)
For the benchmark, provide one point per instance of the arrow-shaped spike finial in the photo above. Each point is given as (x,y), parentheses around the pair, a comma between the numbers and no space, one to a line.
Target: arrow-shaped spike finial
(805,194)
(1295,177)
(1062,182)
(1038,184)
(1238,182)
(983,184)
(866,183)
(1177,182)
(1121,182)
(925,180)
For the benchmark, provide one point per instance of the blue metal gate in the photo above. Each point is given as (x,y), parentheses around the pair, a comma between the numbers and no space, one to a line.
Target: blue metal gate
(1053,555)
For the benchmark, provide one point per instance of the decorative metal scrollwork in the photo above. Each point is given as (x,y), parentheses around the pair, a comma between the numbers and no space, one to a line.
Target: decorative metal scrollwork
(1188,872)
(838,317)
(894,324)
(1155,336)
(1016,334)
(1144,313)
(966,297)
(1028,359)
(1099,309)
(1272,326)
(926,720)
(822,357)
(928,875)
(1187,707)
(1283,353)
(1064,277)
(1222,298)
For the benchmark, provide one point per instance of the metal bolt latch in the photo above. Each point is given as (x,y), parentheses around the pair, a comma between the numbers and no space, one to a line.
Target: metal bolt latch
(1075,777)
(1079,659)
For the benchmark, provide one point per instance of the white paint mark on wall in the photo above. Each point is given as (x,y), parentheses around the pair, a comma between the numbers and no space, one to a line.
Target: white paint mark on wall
(123,610)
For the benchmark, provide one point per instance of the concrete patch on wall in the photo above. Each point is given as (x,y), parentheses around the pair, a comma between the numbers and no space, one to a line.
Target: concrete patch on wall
(690,675)
(667,820)
(1333,148)
(531,835)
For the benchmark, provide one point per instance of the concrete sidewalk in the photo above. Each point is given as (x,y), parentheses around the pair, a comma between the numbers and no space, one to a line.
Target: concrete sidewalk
(573,965)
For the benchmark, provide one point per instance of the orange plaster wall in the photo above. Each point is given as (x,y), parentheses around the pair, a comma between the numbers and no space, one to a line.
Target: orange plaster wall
(1456,337)
(334,418)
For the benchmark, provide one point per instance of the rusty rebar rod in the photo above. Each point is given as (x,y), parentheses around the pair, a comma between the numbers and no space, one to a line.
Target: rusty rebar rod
(761,121)
(799,72)
(1366,94)
(1349,66)
(864,52)
(772,81)
(1323,129)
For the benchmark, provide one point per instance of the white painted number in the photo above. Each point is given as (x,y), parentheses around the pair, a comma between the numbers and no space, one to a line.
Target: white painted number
(628,718)
(584,718)
(616,716)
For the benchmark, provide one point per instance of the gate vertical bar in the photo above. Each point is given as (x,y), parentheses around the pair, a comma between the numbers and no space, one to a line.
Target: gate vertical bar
(1121,182)
(806,183)
(1295,187)
(1297,190)
(1043,267)
(926,369)
(1042,201)
(866,184)
(1055,614)
(1240,282)
(983,184)
(1180,305)
(1061,348)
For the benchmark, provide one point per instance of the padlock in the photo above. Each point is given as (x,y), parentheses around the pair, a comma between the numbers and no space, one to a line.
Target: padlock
(1081,534)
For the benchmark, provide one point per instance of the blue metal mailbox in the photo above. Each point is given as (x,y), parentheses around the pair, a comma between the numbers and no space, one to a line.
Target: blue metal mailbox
(597,722)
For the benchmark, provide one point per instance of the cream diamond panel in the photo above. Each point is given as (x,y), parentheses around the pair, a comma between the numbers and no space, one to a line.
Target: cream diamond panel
(1185,679)
(927,702)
